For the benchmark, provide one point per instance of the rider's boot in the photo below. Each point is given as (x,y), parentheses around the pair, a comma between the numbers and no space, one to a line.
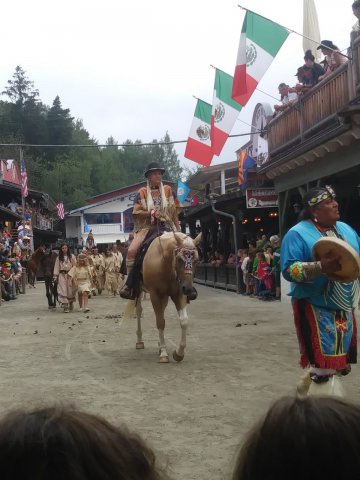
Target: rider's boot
(127,292)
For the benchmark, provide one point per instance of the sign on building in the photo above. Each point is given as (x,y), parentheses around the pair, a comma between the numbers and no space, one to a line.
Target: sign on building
(261,198)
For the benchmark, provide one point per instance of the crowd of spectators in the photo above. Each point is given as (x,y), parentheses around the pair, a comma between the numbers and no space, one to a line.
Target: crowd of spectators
(10,273)
(258,267)
(311,73)
(15,251)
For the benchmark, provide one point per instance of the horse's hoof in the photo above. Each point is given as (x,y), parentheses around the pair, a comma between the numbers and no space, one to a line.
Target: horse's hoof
(140,345)
(177,357)
(164,359)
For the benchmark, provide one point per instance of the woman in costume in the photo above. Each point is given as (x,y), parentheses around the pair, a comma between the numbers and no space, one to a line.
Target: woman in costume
(82,276)
(99,265)
(323,308)
(153,203)
(111,281)
(63,264)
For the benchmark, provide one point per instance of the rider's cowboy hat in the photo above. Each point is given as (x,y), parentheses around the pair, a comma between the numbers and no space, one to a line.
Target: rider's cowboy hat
(152,167)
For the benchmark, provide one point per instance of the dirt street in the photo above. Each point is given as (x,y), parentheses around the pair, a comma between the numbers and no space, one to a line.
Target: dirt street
(194,413)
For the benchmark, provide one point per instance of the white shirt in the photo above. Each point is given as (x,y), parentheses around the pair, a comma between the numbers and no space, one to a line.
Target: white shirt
(290,98)
(13,206)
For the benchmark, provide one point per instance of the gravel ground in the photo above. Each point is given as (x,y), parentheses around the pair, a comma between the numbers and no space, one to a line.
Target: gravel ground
(194,413)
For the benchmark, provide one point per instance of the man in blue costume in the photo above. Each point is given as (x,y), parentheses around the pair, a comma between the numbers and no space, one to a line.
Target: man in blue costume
(323,308)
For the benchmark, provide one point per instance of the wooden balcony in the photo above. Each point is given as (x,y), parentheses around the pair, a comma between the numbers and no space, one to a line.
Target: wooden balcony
(322,120)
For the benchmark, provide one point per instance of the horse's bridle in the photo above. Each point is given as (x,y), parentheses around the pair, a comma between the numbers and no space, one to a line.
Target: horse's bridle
(185,254)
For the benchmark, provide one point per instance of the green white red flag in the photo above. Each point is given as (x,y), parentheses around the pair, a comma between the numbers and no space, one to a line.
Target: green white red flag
(198,147)
(260,41)
(224,111)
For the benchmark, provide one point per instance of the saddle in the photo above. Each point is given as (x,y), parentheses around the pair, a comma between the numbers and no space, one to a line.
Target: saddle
(134,278)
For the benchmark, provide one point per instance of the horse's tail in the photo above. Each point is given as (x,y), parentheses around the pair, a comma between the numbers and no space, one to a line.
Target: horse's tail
(129,309)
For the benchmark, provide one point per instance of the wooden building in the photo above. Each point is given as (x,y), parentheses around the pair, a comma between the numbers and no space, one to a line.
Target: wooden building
(317,142)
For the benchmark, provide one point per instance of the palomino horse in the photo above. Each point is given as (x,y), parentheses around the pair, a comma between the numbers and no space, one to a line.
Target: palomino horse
(47,264)
(34,263)
(168,271)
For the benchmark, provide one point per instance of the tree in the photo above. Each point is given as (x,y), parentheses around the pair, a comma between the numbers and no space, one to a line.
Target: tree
(188,172)
(165,154)
(20,89)
(59,128)
(60,124)
(173,169)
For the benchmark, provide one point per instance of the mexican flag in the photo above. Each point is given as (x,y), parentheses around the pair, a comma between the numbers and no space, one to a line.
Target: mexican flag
(224,111)
(198,147)
(260,41)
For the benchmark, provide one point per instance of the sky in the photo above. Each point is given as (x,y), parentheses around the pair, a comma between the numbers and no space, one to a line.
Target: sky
(131,69)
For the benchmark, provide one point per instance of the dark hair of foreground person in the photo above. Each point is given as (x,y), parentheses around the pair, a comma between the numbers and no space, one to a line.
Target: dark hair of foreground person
(303,438)
(66,444)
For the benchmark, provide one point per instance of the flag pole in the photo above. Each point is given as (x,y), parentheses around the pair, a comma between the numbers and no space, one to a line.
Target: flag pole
(22,190)
(294,31)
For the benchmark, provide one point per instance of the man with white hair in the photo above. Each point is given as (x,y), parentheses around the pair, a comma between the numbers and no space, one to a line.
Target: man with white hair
(154,206)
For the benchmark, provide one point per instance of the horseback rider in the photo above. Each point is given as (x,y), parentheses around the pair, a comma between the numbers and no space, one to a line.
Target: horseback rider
(155,206)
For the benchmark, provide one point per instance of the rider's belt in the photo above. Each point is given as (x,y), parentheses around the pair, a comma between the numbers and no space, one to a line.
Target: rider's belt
(63,271)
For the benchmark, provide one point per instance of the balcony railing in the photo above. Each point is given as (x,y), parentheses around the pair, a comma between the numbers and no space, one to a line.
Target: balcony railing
(41,222)
(105,228)
(317,111)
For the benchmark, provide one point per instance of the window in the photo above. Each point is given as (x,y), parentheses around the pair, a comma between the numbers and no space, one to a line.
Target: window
(102,218)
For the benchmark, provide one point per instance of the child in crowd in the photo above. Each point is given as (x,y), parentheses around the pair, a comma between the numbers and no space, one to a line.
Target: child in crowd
(250,281)
(59,443)
(302,438)
(261,271)
(81,275)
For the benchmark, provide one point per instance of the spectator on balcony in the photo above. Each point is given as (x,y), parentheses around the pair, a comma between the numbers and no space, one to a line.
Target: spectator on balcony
(315,69)
(334,58)
(27,212)
(302,75)
(287,98)
(356,12)
(13,206)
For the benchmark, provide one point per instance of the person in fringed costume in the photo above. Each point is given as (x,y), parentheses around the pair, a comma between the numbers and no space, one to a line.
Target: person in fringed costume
(81,275)
(111,275)
(118,260)
(99,266)
(155,207)
(323,308)
(65,289)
